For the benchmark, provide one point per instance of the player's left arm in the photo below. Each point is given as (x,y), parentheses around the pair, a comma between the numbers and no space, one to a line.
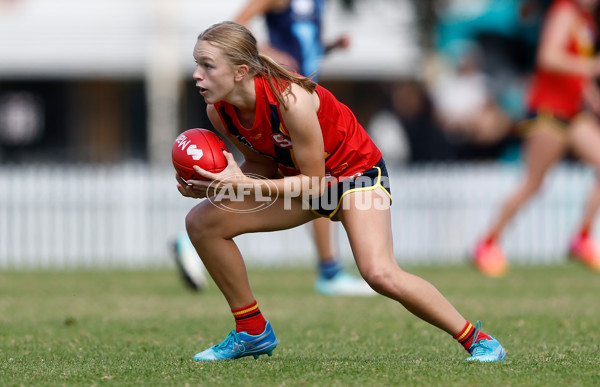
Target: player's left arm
(308,151)
(301,120)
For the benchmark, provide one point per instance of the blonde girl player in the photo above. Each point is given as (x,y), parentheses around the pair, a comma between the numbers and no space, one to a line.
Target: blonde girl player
(282,121)
(295,41)
(563,82)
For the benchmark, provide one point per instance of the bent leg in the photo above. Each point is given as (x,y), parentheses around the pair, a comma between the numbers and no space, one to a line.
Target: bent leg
(370,234)
(211,230)
(542,149)
(585,140)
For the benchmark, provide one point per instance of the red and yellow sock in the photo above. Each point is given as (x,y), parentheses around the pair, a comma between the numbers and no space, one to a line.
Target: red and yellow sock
(585,231)
(491,239)
(249,319)
(466,336)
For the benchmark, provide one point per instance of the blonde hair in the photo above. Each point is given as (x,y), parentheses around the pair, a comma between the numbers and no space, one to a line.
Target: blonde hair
(239,47)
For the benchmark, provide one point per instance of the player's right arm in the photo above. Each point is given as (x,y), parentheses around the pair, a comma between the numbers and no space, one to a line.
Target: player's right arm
(258,8)
(253,162)
(553,55)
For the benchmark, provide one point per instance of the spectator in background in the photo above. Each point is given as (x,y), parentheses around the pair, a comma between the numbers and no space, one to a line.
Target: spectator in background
(558,120)
(484,54)
(295,42)
(405,131)
(463,101)
(505,34)
(389,134)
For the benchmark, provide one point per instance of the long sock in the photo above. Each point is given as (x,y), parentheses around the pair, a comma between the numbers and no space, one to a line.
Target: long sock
(249,319)
(328,269)
(466,336)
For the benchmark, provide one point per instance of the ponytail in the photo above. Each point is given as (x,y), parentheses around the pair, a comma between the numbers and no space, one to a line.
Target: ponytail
(280,78)
(239,47)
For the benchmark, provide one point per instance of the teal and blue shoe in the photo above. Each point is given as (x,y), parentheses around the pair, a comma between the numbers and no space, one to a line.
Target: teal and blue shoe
(240,344)
(343,284)
(190,266)
(485,350)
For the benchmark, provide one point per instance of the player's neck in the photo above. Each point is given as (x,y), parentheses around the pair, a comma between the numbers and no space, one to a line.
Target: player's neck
(243,97)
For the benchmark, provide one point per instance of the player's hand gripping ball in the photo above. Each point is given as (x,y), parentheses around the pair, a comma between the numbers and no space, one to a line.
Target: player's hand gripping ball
(199,147)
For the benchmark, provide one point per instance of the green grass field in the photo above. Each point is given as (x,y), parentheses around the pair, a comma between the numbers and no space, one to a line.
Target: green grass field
(142,328)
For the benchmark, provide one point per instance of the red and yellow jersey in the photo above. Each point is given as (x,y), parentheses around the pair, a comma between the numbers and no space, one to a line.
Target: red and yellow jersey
(348,148)
(561,94)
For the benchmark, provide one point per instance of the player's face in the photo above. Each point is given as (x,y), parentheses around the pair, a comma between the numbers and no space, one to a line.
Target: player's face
(214,76)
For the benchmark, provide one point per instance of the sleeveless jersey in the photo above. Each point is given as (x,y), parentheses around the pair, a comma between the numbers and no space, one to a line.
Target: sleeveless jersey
(348,148)
(561,94)
(297,31)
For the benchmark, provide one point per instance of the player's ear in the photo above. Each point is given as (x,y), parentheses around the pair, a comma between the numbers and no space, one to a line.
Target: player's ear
(241,72)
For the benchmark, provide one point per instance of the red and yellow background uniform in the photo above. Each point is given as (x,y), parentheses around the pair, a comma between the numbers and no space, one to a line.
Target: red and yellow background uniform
(557,94)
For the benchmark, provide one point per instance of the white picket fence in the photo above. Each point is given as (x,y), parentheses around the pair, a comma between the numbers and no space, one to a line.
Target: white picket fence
(126,216)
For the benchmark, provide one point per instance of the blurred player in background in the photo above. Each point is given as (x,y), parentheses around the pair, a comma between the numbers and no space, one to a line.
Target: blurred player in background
(563,84)
(295,42)
(281,121)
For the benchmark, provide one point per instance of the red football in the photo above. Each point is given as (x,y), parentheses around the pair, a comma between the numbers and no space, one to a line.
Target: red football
(199,147)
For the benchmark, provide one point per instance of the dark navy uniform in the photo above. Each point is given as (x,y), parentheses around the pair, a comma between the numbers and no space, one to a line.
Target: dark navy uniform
(297,31)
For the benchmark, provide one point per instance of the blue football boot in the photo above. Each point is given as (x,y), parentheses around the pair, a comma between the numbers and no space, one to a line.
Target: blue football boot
(343,284)
(240,344)
(485,350)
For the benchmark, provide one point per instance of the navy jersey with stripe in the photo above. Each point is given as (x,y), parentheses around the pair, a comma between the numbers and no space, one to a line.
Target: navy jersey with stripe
(297,31)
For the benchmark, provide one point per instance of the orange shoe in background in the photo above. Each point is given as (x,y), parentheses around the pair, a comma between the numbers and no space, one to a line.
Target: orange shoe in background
(489,259)
(585,250)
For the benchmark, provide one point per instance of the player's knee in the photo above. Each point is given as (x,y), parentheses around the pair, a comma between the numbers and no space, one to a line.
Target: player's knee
(380,279)
(198,226)
(193,226)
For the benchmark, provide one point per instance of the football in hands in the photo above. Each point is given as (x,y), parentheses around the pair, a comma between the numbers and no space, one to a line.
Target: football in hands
(200,147)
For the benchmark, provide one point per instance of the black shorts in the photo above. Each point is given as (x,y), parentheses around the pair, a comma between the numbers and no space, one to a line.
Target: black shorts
(559,124)
(328,204)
